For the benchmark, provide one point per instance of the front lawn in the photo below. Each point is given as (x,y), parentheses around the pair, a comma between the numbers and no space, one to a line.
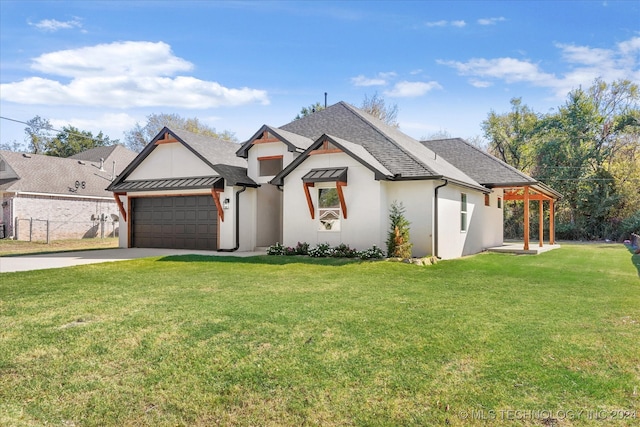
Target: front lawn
(195,340)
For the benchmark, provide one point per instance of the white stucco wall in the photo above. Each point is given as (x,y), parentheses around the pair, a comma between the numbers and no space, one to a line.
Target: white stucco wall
(171,161)
(416,197)
(363,194)
(484,226)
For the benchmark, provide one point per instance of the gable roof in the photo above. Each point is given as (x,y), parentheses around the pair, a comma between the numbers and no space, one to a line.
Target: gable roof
(218,154)
(293,141)
(37,173)
(356,151)
(402,155)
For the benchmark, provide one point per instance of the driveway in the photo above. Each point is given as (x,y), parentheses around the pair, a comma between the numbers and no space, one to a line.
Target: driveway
(69,259)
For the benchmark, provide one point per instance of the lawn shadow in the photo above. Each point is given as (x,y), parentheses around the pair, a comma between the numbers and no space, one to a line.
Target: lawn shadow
(265,259)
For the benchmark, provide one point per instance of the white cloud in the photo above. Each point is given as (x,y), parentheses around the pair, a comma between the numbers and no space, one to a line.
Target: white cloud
(441,23)
(52,25)
(444,23)
(583,65)
(380,80)
(119,58)
(491,21)
(405,89)
(123,75)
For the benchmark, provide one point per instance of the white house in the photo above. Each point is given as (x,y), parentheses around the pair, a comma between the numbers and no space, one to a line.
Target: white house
(328,177)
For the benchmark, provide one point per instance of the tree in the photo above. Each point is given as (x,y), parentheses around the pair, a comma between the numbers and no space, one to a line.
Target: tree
(377,107)
(398,244)
(511,135)
(72,140)
(307,111)
(37,136)
(588,150)
(14,146)
(138,137)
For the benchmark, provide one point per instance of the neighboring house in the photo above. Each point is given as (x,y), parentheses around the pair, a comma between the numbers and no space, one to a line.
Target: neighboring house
(65,198)
(327,177)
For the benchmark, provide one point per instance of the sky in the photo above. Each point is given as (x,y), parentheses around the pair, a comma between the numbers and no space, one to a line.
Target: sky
(237,65)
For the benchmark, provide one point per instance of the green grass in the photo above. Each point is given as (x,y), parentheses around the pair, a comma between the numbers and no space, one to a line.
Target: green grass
(295,341)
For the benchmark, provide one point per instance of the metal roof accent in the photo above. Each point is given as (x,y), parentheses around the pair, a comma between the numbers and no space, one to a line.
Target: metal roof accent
(326,175)
(167,184)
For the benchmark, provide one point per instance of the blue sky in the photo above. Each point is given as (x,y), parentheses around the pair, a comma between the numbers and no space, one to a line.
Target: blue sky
(238,65)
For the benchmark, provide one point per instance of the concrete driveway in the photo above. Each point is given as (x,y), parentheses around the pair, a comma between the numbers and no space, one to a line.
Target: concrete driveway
(69,259)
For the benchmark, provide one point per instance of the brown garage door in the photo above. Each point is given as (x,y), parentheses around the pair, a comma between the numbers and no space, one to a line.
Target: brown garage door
(186,222)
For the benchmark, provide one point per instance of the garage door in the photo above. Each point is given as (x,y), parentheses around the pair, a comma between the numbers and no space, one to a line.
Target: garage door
(187,222)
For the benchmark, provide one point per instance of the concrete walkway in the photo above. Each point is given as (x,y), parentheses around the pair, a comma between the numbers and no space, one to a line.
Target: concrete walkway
(69,259)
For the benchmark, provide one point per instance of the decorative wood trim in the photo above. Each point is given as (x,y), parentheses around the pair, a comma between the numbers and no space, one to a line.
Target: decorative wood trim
(216,199)
(265,140)
(343,204)
(515,196)
(307,194)
(166,139)
(541,223)
(526,218)
(123,212)
(552,231)
(270,157)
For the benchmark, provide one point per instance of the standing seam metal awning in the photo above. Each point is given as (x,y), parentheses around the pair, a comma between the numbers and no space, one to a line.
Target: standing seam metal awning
(326,175)
(167,184)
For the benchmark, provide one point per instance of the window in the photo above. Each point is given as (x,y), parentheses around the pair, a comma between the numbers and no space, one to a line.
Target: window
(270,165)
(329,209)
(463,212)
(487,200)
(499,202)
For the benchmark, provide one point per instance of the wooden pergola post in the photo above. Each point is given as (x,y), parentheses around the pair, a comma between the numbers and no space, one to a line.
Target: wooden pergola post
(526,218)
(541,223)
(552,230)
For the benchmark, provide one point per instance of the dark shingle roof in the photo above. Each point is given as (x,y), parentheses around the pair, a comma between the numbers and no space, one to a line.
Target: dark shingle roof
(479,165)
(400,154)
(38,173)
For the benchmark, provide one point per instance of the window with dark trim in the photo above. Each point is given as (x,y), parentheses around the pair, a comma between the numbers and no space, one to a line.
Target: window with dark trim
(463,212)
(487,200)
(499,202)
(329,209)
(269,165)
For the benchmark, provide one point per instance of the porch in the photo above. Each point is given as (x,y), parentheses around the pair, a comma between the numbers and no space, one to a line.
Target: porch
(518,248)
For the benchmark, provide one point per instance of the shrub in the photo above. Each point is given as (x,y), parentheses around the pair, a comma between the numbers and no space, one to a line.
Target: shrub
(372,253)
(321,250)
(344,251)
(276,249)
(398,244)
(302,248)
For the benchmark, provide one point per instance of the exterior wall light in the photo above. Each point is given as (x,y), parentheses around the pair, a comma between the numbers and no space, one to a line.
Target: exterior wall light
(225,204)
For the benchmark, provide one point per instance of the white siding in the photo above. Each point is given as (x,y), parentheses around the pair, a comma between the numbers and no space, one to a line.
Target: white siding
(171,161)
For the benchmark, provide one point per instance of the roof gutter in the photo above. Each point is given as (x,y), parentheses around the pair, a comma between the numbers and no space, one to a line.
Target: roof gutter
(435,217)
(235,248)
(73,196)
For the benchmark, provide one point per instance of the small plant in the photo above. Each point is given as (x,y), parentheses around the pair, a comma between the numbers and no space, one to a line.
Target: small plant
(321,250)
(344,251)
(398,245)
(302,248)
(372,253)
(276,249)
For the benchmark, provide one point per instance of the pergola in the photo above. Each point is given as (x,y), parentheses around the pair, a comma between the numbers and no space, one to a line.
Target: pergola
(532,192)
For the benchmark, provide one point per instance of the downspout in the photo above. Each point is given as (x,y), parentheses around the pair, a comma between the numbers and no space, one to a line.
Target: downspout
(244,187)
(435,218)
